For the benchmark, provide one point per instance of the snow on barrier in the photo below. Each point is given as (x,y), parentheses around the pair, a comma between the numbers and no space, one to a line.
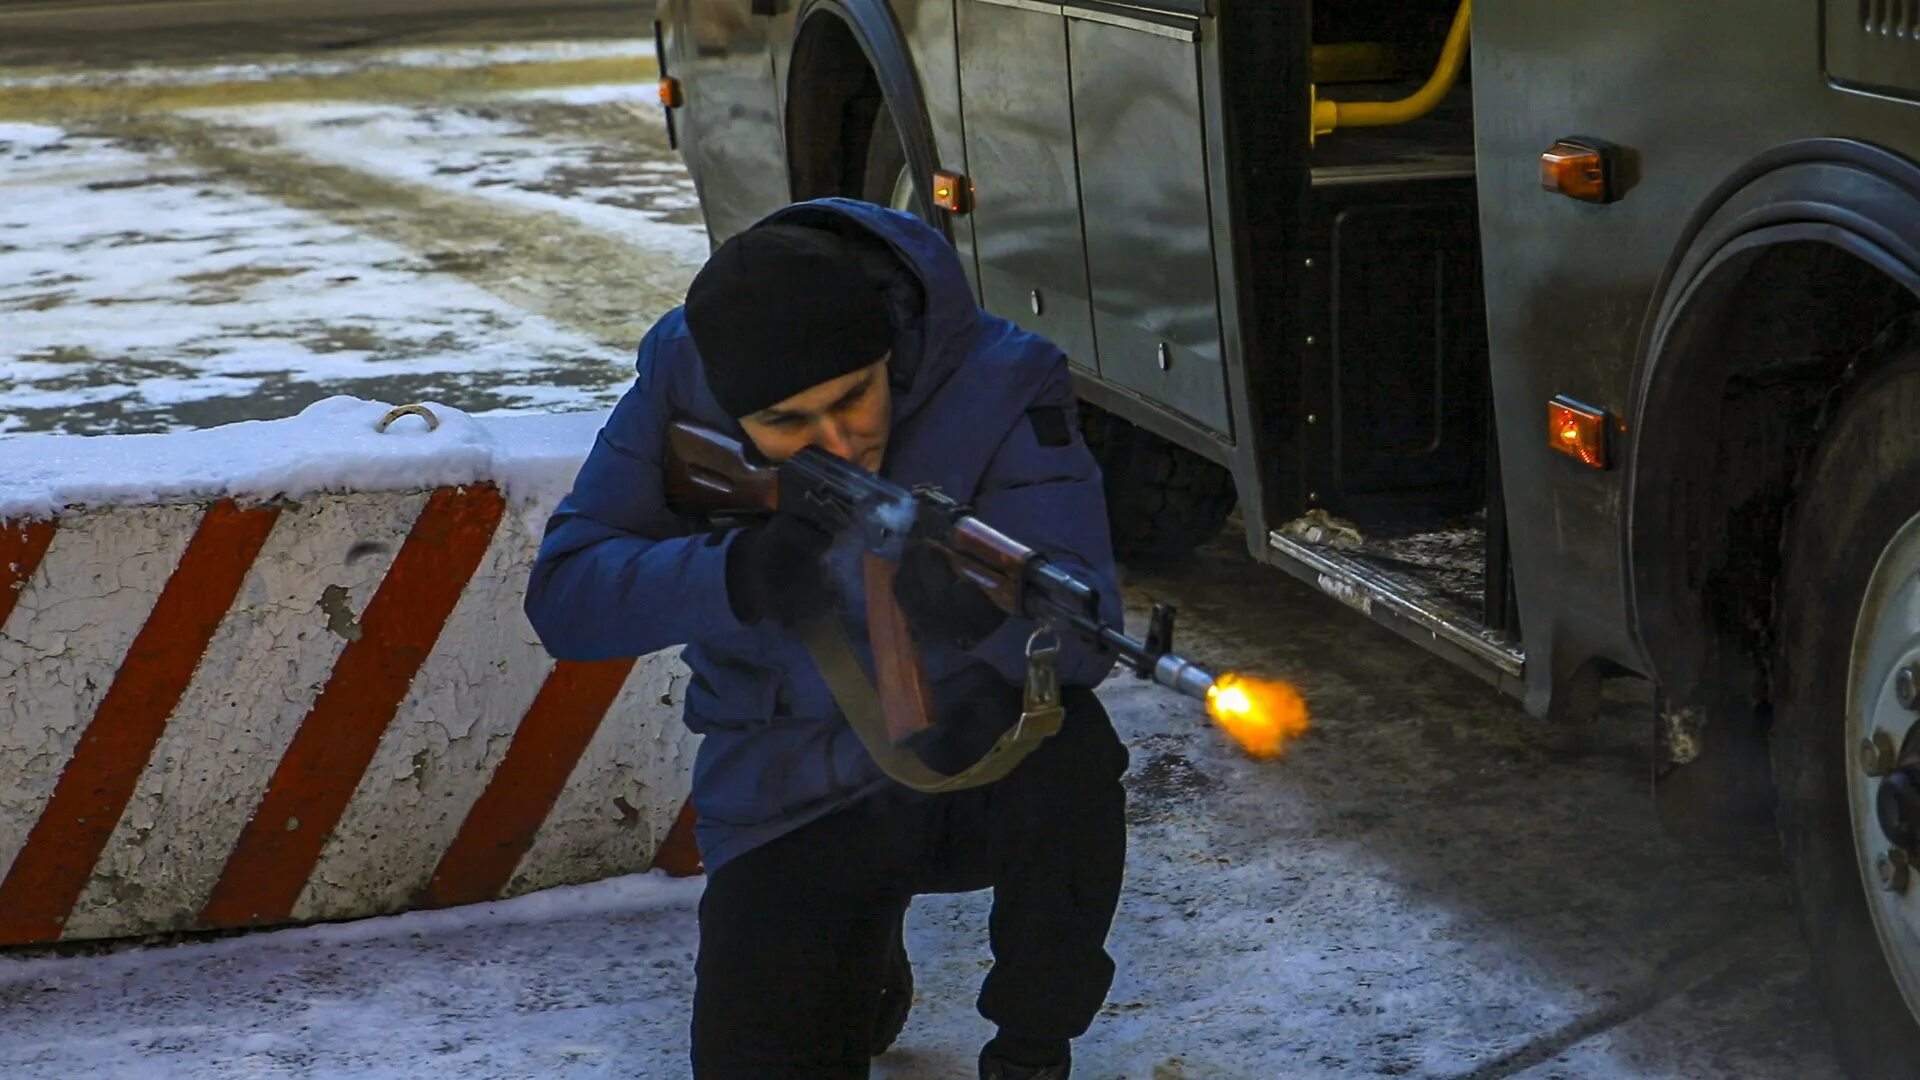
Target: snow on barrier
(278,672)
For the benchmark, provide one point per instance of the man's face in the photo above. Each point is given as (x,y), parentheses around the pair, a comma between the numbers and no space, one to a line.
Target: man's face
(847,417)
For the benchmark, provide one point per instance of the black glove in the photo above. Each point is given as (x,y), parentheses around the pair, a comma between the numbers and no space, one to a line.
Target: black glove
(774,571)
(941,605)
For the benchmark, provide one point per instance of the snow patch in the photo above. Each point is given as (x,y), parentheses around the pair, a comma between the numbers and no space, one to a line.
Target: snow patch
(20,139)
(332,445)
(496,159)
(601,94)
(133,285)
(613,897)
(585,982)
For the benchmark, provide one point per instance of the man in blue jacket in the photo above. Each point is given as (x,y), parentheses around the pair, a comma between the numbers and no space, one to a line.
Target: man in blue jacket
(853,328)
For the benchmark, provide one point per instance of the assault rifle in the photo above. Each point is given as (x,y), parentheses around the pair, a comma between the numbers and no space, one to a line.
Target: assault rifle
(710,474)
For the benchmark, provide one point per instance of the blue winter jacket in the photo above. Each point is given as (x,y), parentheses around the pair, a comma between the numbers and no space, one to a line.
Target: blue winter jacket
(619,574)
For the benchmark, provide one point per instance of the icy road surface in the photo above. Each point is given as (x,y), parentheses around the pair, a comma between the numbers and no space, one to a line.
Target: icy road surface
(1431,885)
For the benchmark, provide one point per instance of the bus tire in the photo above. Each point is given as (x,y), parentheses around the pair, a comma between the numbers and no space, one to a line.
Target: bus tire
(1163,500)
(1858,499)
(885,179)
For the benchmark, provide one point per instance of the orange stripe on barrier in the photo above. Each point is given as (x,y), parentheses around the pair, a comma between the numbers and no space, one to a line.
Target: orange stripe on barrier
(52,869)
(545,748)
(678,854)
(22,545)
(337,740)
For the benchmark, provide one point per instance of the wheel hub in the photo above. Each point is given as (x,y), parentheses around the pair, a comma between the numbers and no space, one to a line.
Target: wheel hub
(1897,807)
(1883,754)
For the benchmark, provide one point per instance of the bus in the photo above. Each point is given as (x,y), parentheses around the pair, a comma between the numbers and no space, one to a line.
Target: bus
(1568,341)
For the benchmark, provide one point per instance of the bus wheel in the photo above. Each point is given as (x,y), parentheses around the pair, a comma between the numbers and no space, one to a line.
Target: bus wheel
(886,179)
(1162,499)
(1846,753)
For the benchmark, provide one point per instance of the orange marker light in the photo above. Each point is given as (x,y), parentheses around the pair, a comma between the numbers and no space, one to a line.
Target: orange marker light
(950,192)
(670,93)
(1578,170)
(1578,431)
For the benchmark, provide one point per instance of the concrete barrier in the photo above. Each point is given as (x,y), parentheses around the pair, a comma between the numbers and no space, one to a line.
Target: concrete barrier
(278,672)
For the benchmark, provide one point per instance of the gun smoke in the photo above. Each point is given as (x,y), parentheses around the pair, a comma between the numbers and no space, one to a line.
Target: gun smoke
(881,528)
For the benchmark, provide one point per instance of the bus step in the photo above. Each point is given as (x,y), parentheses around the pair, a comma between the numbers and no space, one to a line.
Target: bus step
(1429,587)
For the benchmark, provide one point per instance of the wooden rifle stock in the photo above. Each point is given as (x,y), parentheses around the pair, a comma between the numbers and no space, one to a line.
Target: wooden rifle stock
(905,697)
(991,559)
(710,474)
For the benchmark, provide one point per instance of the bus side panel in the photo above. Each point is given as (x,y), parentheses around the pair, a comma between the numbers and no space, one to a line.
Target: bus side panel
(1140,136)
(1026,215)
(731,136)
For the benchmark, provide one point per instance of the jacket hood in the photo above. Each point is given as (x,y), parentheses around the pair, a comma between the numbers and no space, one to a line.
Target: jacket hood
(935,317)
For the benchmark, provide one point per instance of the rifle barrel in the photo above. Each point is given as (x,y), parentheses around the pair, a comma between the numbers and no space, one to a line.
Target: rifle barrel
(1182,676)
(1170,670)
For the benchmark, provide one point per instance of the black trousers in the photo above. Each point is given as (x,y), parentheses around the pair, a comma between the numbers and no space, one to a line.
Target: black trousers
(794,934)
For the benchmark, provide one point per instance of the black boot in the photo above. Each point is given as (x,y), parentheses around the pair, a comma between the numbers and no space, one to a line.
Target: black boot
(896,991)
(995,1067)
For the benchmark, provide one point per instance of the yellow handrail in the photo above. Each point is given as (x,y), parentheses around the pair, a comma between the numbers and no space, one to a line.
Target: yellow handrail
(1354,61)
(1328,115)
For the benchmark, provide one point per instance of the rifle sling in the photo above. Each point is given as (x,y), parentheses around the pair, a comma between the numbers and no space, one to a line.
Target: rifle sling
(857,699)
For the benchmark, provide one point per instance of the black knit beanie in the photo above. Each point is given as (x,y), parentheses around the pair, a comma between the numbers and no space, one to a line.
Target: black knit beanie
(779,309)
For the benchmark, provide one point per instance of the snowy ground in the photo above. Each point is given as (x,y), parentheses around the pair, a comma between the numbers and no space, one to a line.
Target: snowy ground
(189,270)
(1431,885)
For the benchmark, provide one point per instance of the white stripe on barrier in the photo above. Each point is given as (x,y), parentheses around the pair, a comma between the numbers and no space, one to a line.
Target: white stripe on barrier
(627,789)
(64,644)
(259,677)
(450,733)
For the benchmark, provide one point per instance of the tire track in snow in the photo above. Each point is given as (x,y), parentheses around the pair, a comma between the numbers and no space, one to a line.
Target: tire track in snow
(608,289)
(1677,978)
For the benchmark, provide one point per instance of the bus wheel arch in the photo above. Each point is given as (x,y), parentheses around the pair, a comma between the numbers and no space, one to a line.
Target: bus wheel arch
(1762,463)
(851,72)
(1784,283)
